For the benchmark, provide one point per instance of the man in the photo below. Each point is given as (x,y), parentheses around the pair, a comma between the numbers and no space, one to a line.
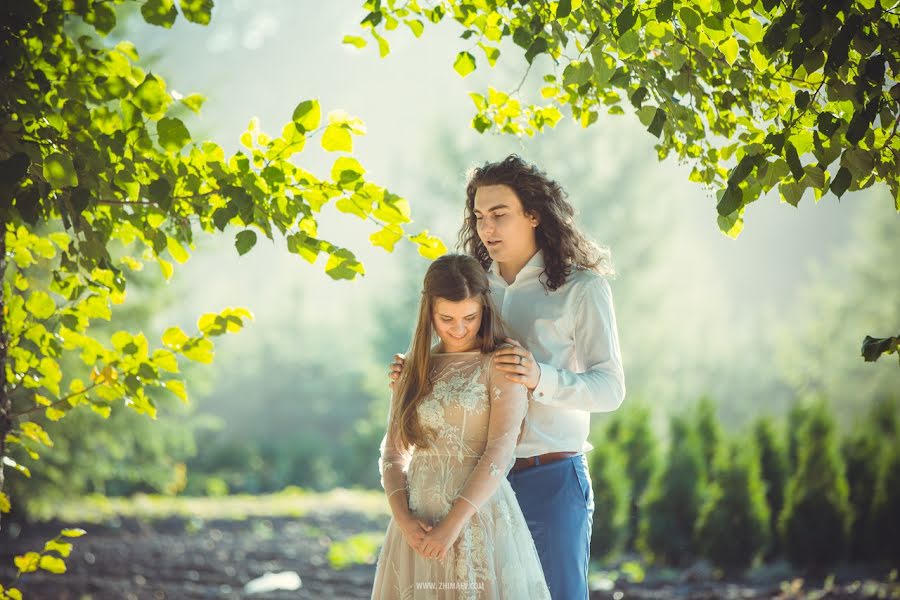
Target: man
(547,281)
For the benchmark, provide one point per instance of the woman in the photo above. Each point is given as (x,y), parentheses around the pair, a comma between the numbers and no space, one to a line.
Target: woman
(457,530)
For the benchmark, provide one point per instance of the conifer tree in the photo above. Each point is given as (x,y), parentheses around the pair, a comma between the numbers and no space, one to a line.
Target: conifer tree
(815,522)
(672,501)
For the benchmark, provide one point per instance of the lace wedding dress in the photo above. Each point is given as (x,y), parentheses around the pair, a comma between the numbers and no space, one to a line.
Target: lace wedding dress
(477,416)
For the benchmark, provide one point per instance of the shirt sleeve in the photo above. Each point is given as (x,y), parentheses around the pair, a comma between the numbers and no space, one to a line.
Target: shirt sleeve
(509,403)
(394,460)
(601,386)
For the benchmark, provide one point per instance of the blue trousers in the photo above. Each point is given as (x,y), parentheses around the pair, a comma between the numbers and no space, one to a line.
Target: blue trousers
(558,504)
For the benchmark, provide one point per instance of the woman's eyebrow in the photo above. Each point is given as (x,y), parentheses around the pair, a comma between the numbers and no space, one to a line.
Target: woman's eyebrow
(445,316)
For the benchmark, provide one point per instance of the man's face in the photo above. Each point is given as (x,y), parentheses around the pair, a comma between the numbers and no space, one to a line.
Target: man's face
(502,225)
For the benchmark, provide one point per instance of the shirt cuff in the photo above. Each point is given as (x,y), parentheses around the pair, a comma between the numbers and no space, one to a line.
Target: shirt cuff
(547,385)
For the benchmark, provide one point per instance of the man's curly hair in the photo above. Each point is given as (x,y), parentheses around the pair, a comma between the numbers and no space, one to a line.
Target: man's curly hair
(565,247)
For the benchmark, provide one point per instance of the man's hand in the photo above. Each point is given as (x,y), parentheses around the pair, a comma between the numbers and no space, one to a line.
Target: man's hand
(518,364)
(396,368)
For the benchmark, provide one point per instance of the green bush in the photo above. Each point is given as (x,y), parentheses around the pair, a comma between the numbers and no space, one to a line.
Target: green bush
(672,501)
(773,467)
(708,432)
(862,458)
(611,501)
(733,526)
(815,522)
(632,433)
(884,523)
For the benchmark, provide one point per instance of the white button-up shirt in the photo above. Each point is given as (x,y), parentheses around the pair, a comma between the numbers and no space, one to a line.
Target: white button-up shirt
(572,333)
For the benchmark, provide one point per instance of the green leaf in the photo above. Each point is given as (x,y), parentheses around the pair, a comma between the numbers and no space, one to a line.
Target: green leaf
(244,241)
(151,96)
(337,139)
(538,46)
(354,40)
(176,386)
(659,119)
(32,430)
(194,102)
(731,225)
(173,135)
(491,53)
(9,462)
(730,201)
(751,29)
(52,564)
(63,548)
(387,237)
(384,48)
(197,11)
(664,10)
(5,505)
(563,9)
(346,170)
(577,73)
(625,19)
(873,348)
(430,246)
(604,65)
(159,12)
(417,27)
(841,182)
(859,161)
(59,171)
(174,338)
(103,18)
(28,562)
(637,98)
(791,192)
(305,245)
(827,123)
(72,532)
(102,409)
(342,264)
(307,116)
(689,18)
(464,64)
(40,304)
(199,351)
(54,414)
(793,161)
(730,49)
(159,192)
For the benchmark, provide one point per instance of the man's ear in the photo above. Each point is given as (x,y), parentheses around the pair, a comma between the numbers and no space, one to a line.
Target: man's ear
(534,218)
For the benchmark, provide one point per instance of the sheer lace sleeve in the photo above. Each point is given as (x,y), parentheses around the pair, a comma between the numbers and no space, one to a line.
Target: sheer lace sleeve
(394,460)
(509,402)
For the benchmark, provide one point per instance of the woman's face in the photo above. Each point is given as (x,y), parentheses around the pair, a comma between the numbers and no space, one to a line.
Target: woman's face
(457,323)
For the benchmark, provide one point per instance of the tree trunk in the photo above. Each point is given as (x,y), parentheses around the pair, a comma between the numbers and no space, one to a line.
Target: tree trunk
(5,401)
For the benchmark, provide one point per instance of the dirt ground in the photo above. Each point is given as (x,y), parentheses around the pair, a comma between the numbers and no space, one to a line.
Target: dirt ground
(184,559)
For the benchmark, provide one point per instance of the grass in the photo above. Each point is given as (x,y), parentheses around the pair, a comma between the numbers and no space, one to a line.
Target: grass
(290,502)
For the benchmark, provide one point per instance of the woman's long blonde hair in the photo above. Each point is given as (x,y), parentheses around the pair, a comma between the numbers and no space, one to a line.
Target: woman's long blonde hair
(453,277)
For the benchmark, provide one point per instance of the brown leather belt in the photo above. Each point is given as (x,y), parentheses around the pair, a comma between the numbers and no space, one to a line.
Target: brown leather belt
(541,459)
